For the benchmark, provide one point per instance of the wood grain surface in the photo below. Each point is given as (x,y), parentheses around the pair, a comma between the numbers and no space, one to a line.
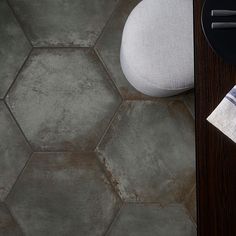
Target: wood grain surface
(216,154)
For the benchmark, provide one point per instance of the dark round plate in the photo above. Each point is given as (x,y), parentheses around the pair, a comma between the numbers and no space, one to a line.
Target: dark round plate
(222,41)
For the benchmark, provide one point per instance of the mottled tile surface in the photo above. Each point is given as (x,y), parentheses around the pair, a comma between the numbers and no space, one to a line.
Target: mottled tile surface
(149,151)
(63,194)
(191,203)
(63,99)
(8,226)
(153,220)
(14,47)
(189,100)
(63,22)
(108,48)
(14,151)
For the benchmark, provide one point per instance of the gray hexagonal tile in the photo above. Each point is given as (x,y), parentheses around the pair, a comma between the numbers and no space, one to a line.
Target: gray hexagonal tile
(108,48)
(8,226)
(63,22)
(63,194)
(152,220)
(149,151)
(14,48)
(63,99)
(14,151)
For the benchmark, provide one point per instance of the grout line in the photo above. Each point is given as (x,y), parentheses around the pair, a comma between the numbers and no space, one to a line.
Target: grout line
(19,22)
(108,73)
(114,220)
(60,47)
(146,203)
(189,215)
(156,99)
(190,192)
(116,90)
(107,23)
(192,219)
(104,170)
(187,212)
(185,202)
(184,95)
(18,177)
(189,111)
(151,99)
(158,203)
(14,218)
(176,97)
(108,126)
(17,124)
(119,213)
(162,205)
(65,152)
(19,71)
(6,104)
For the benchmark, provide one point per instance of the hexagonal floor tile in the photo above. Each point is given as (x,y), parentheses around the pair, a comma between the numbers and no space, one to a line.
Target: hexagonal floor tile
(149,151)
(152,220)
(63,22)
(14,151)
(108,48)
(14,48)
(63,99)
(8,226)
(63,194)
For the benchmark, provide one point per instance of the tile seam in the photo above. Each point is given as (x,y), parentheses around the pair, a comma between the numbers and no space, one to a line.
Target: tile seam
(17,74)
(106,23)
(108,126)
(104,170)
(114,220)
(19,22)
(19,127)
(110,77)
(18,177)
(14,218)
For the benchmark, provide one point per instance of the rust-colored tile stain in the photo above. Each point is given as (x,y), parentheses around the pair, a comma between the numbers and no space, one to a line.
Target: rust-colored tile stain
(81,151)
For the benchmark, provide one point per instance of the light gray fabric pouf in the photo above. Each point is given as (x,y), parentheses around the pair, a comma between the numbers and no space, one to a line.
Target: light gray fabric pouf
(157,47)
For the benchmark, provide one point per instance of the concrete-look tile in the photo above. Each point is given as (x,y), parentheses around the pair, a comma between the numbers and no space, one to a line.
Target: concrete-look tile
(108,47)
(63,22)
(63,194)
(153,220)
(189,100)
(8,226)
(191,203)
(14,48)
(63,99)
(14,151)
(149,151)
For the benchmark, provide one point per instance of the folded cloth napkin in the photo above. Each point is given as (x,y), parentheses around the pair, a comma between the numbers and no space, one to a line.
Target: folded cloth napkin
(224,116)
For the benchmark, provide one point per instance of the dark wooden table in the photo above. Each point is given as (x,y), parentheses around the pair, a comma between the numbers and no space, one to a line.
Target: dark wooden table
(216,154)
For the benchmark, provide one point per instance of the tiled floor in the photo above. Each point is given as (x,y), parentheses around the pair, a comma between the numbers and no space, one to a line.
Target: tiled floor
(152,219)
(81,151)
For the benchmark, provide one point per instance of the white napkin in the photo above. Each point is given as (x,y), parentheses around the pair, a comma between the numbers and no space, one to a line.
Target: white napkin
(224,116)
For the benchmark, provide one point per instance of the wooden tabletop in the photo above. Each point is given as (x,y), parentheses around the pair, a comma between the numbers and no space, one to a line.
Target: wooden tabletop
(216,154)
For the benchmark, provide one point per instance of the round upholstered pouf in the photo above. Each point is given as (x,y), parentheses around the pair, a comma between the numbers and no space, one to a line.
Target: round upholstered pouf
(157,47)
